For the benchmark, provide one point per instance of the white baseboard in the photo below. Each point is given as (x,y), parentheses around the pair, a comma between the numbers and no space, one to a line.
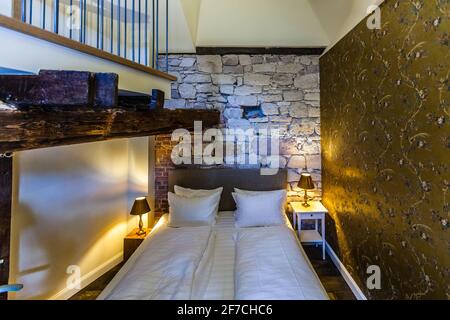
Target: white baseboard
(345,274)
(89,277)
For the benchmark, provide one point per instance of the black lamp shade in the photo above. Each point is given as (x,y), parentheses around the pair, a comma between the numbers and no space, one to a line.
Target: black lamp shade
(306,182)
(140,206)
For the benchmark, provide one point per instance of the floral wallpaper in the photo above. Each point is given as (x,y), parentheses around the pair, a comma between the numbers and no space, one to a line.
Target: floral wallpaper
(385,123)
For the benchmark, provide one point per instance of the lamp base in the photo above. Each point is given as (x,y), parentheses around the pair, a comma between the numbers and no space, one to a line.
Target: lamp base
(305,200)
(141,227)
(141,232)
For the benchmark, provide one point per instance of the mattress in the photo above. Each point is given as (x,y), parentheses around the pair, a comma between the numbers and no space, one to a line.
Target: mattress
(216,275)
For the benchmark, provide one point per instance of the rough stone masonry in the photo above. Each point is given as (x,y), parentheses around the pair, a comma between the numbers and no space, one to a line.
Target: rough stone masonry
(259,91)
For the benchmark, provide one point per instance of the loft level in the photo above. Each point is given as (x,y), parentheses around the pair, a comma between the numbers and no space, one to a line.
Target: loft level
(16,25)
(137,30)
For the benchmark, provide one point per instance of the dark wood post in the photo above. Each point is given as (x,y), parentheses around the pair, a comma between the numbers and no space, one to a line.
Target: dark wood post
(5,218)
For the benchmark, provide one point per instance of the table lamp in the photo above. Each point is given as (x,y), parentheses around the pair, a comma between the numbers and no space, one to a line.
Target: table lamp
(306,183)
(140,207)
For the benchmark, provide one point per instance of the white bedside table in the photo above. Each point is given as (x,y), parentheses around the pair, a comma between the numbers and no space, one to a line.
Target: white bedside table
(316,211)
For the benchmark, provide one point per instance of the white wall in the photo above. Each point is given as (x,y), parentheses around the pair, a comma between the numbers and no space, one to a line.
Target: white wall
(182,26)
(70,207)
(138,176)
(191,11)
(6,7)
(259,23)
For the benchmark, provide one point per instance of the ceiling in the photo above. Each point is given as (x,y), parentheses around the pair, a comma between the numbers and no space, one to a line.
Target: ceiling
(256,23)
(262,23)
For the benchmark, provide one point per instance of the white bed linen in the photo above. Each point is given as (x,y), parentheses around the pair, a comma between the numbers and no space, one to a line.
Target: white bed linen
(271,265)
(163,267)
(219,274)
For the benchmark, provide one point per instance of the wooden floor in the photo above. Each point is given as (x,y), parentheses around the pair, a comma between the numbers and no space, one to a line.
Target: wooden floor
(329,275)
(331,279)
(93,290)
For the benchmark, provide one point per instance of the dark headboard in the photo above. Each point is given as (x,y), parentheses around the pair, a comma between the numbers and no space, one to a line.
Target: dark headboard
(248,179)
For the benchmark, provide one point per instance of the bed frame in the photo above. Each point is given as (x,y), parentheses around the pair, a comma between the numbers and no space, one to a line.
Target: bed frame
(228,178)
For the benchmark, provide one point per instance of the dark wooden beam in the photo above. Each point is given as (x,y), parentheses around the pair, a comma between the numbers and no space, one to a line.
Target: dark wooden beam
(74,89)
(61,88)
(260,50)
(34,128)
(141,101)
(5,218)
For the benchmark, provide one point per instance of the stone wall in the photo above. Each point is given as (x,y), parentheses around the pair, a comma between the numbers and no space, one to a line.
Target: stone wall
(259,91)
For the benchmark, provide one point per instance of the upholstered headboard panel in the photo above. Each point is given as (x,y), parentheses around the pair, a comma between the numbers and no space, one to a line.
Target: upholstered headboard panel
(248,179)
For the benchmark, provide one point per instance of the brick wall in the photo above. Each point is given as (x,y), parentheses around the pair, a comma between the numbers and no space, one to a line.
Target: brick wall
(162,165)
(250,91)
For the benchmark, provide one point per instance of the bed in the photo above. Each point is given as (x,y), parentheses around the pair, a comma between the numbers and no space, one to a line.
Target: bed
(221,261)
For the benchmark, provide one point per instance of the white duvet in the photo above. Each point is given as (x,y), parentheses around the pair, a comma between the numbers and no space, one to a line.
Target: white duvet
(165,267)
(270,265)
(219,262)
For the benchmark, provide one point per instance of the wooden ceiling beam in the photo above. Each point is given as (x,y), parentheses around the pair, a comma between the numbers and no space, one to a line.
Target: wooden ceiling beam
(33,128)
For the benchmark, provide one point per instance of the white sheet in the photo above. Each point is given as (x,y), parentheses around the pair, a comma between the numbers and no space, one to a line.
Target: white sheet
(201,263)
(271,265)
(164,267)
(220,278)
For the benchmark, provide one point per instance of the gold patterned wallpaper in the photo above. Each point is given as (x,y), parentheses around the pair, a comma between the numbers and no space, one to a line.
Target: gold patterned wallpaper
(385,123)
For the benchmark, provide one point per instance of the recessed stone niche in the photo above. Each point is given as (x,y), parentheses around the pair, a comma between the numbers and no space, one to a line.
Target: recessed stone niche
(252,112)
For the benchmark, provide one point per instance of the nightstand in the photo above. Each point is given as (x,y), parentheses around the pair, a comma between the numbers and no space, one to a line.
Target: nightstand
(316,211)
(132,241)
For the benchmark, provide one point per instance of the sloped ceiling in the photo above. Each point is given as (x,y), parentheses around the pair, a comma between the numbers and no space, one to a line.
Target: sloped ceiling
(191,9)
(338,17)
(263,23)
(181,38)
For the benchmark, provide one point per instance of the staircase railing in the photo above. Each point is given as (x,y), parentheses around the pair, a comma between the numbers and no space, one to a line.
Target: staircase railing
(131,29)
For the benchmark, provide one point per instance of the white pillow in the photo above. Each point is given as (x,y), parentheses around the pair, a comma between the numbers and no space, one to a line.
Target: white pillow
(193,211)
(281,192)
(187,192)
(259,209)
